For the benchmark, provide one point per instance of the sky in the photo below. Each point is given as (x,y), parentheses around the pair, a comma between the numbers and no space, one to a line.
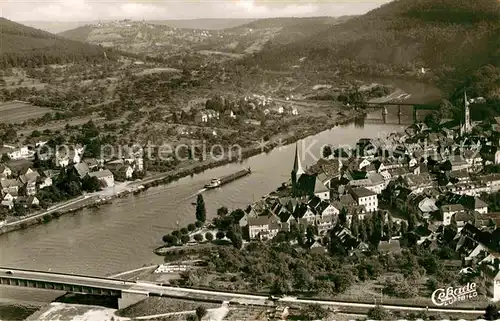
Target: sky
(91,10)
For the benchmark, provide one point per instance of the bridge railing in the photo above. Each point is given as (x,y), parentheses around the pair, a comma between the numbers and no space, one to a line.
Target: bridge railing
(66,274)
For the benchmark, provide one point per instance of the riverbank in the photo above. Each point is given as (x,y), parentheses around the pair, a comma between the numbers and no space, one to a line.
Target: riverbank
(95,201)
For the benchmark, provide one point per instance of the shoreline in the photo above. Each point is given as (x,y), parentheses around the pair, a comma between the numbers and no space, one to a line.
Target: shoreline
(169,177)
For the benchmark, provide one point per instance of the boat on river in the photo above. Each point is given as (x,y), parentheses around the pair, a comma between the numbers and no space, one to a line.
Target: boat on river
(218,182)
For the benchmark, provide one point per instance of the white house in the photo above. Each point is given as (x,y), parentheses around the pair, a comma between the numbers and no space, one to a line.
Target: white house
(491,272)
(8,201)
(293,111)
(65,156)
(449,210)
(45,182)
(105,177)
(365,197)
(279,110)
(129,171)
(480,206)
(21,153)
(5,171)
(321,191)
(260,226)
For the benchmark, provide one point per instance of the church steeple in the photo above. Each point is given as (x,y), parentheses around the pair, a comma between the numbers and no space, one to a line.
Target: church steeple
(297,170)
(467,124)
(297,166)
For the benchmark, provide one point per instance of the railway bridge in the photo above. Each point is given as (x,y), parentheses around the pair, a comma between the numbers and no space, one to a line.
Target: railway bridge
(401,106)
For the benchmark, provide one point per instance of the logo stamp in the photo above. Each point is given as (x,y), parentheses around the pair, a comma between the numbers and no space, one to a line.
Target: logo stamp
(451,295)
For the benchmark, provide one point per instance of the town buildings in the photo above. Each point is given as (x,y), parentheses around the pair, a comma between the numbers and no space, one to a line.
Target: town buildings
(439,178)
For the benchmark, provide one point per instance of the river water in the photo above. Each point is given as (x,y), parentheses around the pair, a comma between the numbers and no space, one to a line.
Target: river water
(122,235)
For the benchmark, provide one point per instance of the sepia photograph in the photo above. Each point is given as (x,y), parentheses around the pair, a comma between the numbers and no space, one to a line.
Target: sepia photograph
(249,160)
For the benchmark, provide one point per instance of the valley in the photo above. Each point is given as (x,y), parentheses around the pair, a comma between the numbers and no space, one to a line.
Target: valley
(131,118)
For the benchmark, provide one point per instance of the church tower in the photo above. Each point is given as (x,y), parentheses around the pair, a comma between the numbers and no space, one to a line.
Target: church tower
(297,170)
(467,124)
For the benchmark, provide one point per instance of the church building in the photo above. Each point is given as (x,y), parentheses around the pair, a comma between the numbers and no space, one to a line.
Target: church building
(306,184)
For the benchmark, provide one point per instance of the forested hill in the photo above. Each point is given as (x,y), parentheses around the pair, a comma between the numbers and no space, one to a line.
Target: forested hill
(452,37)
(287,22)
(30,47)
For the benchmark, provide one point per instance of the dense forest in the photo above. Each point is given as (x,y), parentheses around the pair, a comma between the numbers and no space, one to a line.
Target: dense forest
(24,46)
(453,38)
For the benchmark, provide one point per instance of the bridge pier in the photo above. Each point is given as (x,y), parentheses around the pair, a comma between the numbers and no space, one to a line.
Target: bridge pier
(130,298)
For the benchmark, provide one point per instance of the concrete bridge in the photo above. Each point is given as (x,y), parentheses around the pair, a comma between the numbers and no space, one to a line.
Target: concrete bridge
(401,106)
(126,292)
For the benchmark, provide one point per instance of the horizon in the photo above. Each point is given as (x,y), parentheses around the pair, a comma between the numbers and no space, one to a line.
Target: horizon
(74,11)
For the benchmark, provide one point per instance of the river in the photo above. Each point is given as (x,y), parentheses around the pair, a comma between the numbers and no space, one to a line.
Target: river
(122,235)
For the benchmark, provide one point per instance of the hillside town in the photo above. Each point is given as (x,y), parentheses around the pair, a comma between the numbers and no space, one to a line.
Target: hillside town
(431,188)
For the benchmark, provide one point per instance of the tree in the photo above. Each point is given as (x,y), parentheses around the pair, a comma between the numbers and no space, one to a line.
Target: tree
(220,235)
(378,228)
(302,278)
(412,222)
(491,312)
(168,238)
(378,313)
(355,224)
(35,133)
(363,233)
(184,231)
(184,239)
(221,212)
(281,285)
(310,234)
(209,236)
(191,317)
(400,288)
(91,184)
(343,216)
(236,239)
(198,237)
(389,226)
(403,228)
(191,227)
(201,212)
(201,311)
(198,224)
(316,312)
(327,151)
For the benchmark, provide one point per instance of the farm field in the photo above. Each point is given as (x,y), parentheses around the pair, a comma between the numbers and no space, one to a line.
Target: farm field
(61,124)
(17,112)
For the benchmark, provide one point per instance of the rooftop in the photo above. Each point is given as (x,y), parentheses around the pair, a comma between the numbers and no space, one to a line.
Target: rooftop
(362,192)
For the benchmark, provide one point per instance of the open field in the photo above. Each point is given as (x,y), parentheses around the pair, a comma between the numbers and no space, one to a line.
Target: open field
(17,112)
(157,70)
(61,124)
(21,79)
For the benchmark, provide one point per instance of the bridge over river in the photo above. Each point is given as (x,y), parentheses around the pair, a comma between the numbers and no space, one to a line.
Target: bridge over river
(401,107)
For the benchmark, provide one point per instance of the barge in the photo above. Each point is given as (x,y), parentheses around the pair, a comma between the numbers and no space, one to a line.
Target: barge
(217,182)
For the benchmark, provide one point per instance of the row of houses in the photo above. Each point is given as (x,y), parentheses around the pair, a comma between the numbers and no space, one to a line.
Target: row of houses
(23,186)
